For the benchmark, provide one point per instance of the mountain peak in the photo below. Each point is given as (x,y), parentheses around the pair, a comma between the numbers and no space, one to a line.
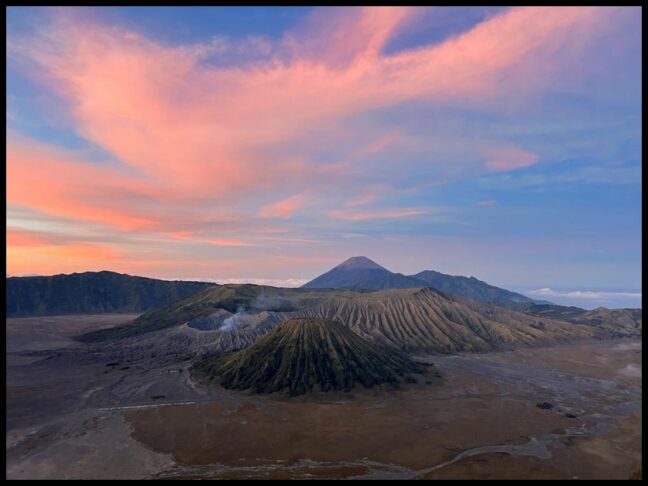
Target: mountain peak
(361,273)
(359,263)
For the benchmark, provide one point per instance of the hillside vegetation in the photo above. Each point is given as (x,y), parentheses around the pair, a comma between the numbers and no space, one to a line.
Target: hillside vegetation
(302,355)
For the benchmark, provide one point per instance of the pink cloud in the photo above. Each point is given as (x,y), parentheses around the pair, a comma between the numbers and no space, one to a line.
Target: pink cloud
(196,237)
(284,208)
(377,214)
(509,158)
(200,145)
(226,242)
(339,36)
(366,197)
(203,130)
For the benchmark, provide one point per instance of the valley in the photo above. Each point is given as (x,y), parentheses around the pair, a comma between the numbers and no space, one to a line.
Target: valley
(342,242)
(252,381)
(69,417)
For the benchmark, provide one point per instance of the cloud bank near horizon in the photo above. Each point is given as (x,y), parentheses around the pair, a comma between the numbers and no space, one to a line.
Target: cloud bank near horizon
(588,299)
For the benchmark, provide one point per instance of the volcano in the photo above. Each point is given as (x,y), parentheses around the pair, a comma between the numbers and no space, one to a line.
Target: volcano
(303,355)
(361,273)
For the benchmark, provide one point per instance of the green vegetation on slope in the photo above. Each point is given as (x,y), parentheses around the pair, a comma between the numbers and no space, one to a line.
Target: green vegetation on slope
(302,355)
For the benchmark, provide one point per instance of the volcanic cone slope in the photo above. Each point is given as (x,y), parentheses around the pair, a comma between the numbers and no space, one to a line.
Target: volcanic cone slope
(302,355)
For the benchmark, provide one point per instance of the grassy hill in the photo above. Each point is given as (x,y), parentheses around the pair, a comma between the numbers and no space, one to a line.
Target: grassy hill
(302,355)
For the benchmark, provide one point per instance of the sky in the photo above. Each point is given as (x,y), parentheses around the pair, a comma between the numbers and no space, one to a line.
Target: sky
(269,144)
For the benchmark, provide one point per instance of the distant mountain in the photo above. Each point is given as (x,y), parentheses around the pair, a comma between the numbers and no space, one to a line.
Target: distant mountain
(470,287)
(614,322)
(93,293)
(302,355)
(361,273)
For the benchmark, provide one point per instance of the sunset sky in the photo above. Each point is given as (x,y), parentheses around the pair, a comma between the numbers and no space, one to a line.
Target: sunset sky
(270,144)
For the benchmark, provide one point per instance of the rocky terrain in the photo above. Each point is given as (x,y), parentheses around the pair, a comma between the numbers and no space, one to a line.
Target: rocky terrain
(246,300)
(77,411)
(230,317)
(158,395)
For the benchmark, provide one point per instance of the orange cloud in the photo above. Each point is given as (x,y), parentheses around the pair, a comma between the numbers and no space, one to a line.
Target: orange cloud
(29,251)
(45,179)
(16,238)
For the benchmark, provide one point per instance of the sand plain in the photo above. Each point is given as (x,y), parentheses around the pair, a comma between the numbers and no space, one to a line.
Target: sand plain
(73,417)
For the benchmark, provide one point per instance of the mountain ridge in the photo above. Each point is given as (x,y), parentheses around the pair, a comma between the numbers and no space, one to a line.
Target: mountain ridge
(362,273)
(470,287)
(411,320)
(93,292)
